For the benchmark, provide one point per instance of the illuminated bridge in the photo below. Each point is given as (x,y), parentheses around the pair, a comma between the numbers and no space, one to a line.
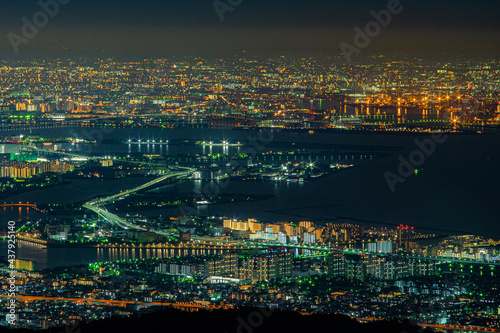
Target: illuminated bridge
(61,153)
(97,205)
(19,204)
(139,188)
(179,305)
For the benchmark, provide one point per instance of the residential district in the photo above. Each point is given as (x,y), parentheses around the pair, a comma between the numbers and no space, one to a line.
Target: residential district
(369,273)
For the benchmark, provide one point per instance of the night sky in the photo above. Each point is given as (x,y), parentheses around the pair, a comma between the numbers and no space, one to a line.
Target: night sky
(164,27)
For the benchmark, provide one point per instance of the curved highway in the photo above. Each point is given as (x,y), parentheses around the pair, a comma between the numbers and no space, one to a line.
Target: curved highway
(95,205)
(141,187)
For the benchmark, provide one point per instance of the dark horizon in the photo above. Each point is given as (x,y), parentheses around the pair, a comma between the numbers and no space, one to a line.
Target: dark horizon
(156,28)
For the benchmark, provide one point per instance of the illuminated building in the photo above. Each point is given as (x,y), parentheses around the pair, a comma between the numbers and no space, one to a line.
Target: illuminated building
(384,247)
(251,225)
(107,163)
(290,230)
(57,232)
(360,266)
(24,265)
(309,238)
(335,262)
(15,169)
(405,234)
(226,265)
(305,224)
(355,267)
(266,267)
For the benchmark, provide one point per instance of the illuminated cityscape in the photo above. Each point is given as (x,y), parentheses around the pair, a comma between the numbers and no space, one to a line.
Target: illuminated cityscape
(161,166)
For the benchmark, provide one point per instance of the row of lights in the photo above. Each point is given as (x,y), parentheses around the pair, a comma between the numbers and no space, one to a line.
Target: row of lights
(149,141)
(223,142)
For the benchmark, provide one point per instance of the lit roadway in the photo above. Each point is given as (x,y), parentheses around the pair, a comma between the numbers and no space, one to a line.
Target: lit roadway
(142,187)
(118,221)
(95,205)
(461,328)
(114,219)
(331,249)
(445,327)
(327,249)
(103,212)
(199,306)
(18,205)
(113,302)
(453,260)
(82,157)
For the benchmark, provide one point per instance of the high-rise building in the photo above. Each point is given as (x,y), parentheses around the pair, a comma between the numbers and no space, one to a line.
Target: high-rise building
(345,234)
(226,265)
(372,247)
(275,265)
(24,265)
(405,234)
(282,238)
(305,224)
(309,238)
(355,267)
(384,247)
(275,227)
(335,264)
(360,266)
(290,229)
(228,224)
(254,226)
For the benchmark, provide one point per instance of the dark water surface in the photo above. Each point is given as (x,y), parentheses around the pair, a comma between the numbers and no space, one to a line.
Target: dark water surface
(457,189)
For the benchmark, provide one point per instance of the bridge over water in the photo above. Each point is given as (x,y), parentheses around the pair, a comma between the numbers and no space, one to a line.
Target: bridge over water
(60,153)
(19,204)
(97,205)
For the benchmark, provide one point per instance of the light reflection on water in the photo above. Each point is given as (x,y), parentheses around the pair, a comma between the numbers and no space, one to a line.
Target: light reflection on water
(456,190)
(44,257)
